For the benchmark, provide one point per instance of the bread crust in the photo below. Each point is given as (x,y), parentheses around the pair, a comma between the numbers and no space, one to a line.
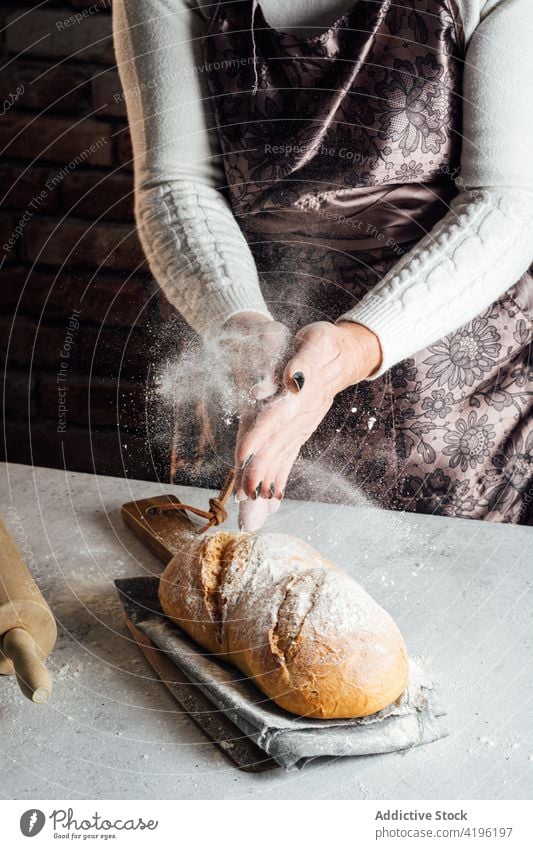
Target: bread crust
(299,627)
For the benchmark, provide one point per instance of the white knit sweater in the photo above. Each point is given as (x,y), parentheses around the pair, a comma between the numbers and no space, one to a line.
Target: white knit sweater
(193,243)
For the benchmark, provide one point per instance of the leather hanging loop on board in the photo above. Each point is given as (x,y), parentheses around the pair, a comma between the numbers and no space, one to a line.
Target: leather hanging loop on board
(217,512)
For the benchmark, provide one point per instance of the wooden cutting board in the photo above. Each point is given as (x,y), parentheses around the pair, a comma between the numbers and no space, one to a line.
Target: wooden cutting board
(161,533)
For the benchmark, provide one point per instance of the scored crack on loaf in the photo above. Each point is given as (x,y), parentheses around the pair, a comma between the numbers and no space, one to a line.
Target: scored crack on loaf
(300,628)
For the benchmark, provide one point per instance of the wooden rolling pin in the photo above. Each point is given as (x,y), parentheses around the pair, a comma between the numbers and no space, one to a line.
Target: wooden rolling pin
(27,627)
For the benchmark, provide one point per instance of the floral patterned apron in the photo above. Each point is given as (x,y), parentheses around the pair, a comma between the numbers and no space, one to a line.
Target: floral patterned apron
(340,153)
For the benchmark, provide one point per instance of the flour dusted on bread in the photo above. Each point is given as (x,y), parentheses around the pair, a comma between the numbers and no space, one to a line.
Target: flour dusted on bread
(300,628)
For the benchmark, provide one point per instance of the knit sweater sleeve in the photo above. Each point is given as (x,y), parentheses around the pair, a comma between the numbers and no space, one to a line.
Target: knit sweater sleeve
(194,246)
(485,242)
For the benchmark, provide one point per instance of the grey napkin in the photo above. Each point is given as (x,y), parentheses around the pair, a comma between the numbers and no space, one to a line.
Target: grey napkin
(414,719)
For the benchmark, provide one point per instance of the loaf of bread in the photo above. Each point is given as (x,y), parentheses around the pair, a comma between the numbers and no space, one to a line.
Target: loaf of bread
(300,628)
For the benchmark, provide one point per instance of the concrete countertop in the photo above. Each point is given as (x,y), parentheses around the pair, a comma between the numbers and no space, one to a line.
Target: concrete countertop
(460,591)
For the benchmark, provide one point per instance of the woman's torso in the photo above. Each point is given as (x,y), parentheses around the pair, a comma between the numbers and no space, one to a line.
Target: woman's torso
(385,80)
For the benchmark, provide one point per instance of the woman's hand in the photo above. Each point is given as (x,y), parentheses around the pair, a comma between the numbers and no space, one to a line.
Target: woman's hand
(255,349)
(328,358)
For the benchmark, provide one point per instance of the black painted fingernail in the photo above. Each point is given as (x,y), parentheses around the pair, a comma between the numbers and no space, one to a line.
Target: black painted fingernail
(258,489)
(299,379)
(246,460)
(272,490)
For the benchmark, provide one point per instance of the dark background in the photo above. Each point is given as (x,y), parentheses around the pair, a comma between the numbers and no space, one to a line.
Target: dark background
(77,249)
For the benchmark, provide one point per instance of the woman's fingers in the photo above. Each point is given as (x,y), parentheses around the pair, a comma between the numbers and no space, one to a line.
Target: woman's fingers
(259,476)
(278,433)
(264,388)
(274,416)
(261,479)
(252,514)
(253,350)
(246,420)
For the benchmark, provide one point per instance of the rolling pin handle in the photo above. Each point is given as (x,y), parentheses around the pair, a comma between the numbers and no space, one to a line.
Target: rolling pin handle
(32,675)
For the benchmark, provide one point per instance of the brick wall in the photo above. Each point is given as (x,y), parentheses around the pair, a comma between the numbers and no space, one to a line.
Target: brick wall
(69,248)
